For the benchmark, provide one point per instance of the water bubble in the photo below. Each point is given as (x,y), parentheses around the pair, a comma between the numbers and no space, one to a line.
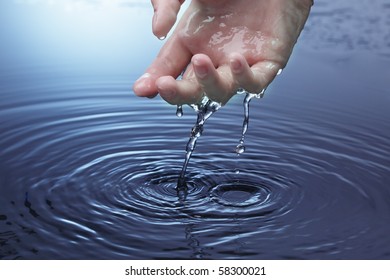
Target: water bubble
(179,111)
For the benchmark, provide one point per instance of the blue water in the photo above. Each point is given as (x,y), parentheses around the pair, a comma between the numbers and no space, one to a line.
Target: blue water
(89,171)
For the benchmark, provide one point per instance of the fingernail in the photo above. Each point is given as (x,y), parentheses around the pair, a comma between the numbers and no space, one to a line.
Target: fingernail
(201,71)
(236,65)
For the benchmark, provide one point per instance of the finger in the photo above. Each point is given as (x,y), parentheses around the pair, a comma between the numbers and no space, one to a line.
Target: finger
(264,73)
(242,73)
(253,79)
(178,92)
(189,73)
(171,60)
(165,15)
(216,84)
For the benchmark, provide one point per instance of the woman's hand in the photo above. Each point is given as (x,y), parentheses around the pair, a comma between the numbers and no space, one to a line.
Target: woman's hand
(221,45)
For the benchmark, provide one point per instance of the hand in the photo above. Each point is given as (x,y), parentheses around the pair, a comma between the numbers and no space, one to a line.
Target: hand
(222,45)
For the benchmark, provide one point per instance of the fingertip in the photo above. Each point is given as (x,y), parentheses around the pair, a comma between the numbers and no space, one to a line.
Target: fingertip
(160,28)
(236,55)
(144,86)
(152,96)
(200,59)
(165,16)
(237,63)
(166,87)
(202,65)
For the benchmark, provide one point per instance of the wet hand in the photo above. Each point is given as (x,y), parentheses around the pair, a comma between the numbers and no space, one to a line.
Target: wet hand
(223,45)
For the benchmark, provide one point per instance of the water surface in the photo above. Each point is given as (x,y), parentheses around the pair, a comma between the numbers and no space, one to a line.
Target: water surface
(89,171)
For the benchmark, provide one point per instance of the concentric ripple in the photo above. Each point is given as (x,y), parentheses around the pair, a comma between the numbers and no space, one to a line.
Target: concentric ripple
(240,194)
(140,182)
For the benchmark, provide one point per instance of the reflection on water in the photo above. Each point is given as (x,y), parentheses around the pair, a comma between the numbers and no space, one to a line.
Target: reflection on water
(88,171)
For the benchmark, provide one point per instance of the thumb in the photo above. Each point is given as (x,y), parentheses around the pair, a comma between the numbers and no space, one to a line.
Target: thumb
(165,15)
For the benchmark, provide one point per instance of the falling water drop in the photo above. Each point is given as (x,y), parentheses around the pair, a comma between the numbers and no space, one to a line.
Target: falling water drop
(240,148)
(179,111)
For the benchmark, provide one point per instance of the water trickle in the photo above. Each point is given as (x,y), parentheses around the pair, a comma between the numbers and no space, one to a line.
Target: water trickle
(179,111)
(204,110)
(240,148)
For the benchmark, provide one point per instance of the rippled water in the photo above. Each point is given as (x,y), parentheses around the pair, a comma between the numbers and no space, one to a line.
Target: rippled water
(88,171)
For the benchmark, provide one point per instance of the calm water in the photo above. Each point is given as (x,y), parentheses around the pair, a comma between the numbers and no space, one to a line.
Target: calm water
(89,171)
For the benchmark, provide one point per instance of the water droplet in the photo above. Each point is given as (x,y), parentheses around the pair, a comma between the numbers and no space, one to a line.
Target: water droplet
(241,91)
(240,149)
(237,172)
(279,72)
(261,94)
(179,111)
(162,38)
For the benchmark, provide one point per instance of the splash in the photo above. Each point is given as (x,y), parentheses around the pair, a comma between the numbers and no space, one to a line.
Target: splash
(179,111)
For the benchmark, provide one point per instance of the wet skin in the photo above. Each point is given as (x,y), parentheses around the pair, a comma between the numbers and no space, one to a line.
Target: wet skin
(222,45)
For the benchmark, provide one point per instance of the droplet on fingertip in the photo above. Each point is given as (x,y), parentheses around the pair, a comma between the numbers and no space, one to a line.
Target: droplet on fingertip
(162,38)
(279,72)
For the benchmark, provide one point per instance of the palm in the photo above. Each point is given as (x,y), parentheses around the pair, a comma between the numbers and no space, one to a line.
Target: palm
(263,32)
(261,38)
